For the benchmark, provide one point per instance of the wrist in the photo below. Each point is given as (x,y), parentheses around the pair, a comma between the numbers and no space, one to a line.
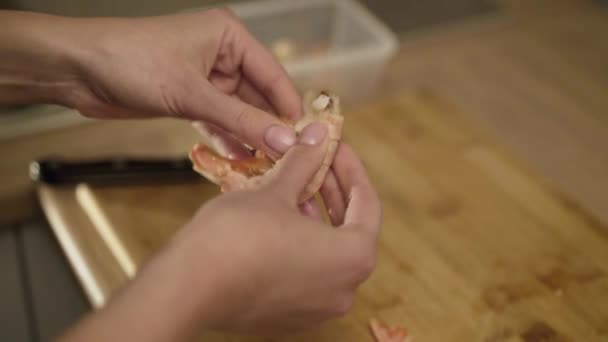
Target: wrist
(191,298)
(162,303)
(38,56)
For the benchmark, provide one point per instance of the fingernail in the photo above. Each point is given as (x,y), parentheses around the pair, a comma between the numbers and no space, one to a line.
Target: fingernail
(279,138)
(313,134)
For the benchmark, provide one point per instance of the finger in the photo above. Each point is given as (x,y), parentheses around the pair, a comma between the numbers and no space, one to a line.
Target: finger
(295,170)
(270,78)
(221,141)
(224,143)
(247,123)
(248,93)
(226,83)
(311,209)
(241,87)
(334,198)
(363,208)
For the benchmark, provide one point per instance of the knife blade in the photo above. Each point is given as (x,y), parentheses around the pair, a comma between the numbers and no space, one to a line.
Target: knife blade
(113,170)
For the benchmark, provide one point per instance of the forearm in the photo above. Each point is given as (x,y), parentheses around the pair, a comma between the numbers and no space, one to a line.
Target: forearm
(162,304)
(36,58)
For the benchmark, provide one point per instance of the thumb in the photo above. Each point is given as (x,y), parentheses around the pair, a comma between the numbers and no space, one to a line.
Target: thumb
(247,123)
(299,165)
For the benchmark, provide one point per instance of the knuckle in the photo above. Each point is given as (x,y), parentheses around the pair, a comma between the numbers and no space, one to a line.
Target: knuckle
(243,120)
(363,260)
(365,269)
(227,15)
(223,12)
(271,86)
(343,305)
(177,98)
(276,189)
(170,104)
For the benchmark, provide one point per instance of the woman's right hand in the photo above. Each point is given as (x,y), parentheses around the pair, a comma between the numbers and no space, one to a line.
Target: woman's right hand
(250,261)
(272,268)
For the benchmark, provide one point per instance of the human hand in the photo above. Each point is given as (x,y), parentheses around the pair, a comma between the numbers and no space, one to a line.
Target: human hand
(249,261)
(271,268)
(202,66)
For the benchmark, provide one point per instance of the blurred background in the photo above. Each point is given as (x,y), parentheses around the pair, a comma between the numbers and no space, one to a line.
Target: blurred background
(533,73)
(434,11)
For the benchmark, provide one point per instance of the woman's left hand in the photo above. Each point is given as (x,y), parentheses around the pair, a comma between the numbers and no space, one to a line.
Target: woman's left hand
(202,66)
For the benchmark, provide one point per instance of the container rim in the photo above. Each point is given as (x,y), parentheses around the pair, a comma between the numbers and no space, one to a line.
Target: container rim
(385,44)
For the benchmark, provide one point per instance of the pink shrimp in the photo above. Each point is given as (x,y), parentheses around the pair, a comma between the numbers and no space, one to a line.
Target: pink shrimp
(248,173)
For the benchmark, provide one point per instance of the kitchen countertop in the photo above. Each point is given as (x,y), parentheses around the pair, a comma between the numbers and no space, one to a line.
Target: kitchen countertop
(507,245)
(473,241)
(535,82)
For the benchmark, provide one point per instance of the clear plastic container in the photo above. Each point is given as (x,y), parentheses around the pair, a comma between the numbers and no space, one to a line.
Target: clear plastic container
(336,45)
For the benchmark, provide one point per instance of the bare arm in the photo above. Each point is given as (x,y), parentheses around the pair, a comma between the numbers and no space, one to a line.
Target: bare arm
(36,58)
(160,304)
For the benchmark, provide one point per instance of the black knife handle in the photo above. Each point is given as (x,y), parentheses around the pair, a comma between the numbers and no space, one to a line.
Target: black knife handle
(109,171)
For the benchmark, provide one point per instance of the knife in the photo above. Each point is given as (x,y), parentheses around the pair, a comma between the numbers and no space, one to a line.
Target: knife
(58,171)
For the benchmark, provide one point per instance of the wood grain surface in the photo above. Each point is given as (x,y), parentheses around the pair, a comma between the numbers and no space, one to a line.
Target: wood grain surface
(536,76)
(475,246)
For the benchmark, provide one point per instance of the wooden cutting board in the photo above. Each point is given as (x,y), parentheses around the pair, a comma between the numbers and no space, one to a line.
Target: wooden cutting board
(474,246)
